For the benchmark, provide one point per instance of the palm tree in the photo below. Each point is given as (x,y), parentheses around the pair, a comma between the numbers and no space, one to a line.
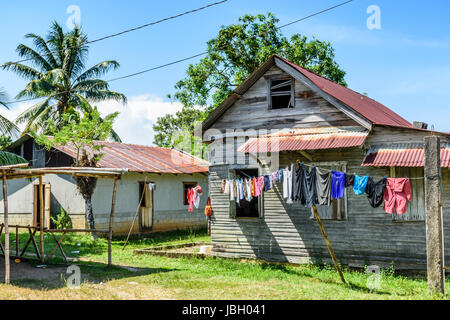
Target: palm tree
(56,73)
(7,128)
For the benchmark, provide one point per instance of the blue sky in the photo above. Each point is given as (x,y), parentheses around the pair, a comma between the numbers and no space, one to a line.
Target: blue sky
(404,65)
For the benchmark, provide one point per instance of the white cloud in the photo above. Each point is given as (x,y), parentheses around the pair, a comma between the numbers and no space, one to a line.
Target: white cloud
(135,121)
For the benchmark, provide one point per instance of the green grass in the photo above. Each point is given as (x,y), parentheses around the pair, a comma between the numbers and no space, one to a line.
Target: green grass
(155,277)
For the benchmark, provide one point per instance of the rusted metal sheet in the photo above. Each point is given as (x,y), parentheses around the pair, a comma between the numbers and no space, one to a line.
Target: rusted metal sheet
(307,139)
(367,107)
(402,155)
(138,158)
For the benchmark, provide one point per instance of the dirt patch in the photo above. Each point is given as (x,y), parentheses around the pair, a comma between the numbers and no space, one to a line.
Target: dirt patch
(26,270)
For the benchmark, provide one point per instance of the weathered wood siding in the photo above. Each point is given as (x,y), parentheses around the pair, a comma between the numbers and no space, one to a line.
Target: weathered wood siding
(286,233)
(251,110)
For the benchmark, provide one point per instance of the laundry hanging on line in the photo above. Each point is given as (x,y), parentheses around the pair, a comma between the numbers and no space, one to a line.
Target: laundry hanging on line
(319,186)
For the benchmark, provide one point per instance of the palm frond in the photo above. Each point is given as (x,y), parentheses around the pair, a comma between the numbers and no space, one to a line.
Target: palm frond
(7,127)
(32,112)
(103,95)
(42,47)
(98,70)
(3,98)
(90,85)
(28,53)
(8,158)
(22,70)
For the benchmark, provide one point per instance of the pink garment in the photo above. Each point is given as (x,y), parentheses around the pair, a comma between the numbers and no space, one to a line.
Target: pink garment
(259,185)
(190,199)
(396,195)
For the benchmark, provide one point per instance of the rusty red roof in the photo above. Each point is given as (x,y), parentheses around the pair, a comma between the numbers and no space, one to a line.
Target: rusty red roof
(140,158)
(402,155)
(307,139)
(365,106)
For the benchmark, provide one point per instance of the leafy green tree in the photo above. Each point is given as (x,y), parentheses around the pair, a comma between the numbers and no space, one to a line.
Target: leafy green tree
(85,135)
(57,73)
(232,55)
(5,141)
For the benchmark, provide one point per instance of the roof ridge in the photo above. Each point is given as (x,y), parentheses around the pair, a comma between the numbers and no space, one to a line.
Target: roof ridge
(380,107)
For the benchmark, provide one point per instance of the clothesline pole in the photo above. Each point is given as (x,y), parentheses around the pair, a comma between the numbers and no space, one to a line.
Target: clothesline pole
(111,221)
(330,248)
(433,216)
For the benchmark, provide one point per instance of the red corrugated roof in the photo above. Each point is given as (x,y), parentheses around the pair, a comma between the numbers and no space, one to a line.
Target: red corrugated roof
(402,155)
(365,106)
(140,158)
(306,139)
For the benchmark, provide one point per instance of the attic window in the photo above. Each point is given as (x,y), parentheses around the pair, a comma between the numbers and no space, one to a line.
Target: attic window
(281,94)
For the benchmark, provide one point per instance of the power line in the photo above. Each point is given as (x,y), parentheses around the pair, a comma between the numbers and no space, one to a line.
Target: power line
(158,67)
(315,14)
(190,57)
(141,26)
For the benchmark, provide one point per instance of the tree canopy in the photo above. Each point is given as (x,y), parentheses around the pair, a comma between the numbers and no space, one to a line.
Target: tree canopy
(232,55)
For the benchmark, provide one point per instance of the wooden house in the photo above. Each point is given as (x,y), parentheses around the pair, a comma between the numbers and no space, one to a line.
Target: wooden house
(152,188)
(284,113)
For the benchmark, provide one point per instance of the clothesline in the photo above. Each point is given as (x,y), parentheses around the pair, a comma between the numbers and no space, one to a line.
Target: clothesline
(330,170)
(320,186)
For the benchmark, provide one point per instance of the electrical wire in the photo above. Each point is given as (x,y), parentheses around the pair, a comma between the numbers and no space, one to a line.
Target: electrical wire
(141,26)
(187,58)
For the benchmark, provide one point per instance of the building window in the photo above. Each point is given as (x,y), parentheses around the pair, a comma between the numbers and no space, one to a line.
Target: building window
(243,208)
(338,208)
(416,207)
(186,187)
(281,93)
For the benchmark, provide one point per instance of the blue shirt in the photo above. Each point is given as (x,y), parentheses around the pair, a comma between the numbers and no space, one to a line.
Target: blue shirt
(359,185)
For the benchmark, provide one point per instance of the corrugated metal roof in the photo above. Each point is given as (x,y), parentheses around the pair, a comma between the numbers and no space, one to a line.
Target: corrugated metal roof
(307,139)
(402,155)
(140,158)
(367,107)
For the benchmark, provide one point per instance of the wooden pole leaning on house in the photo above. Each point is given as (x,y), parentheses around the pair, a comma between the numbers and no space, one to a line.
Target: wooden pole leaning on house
(5,203)
(330,248)
(111,221)
(433,215)
(41,218)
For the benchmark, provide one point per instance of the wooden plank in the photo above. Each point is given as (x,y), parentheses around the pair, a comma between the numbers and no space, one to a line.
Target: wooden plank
(111,221)
(330,248)
(47,199)
(6,250)
(41,219)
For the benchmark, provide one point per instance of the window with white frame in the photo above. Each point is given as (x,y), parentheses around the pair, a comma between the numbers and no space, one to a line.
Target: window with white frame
(338,208)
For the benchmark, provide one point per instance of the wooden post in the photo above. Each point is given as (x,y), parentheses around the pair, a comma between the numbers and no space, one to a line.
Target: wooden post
(5,203)
(111,220)
(433,215)
(330,248)
(41,218)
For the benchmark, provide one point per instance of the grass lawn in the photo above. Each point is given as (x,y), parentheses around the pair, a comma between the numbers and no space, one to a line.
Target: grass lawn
(152,277)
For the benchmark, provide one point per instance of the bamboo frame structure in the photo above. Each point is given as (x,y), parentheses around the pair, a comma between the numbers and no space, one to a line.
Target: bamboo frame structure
(21,171)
